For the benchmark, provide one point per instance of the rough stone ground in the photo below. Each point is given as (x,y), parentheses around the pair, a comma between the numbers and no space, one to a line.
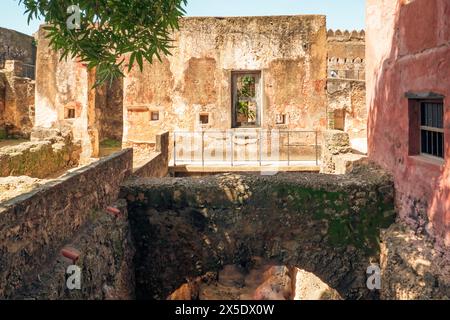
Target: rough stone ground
(412,267)
(11,187)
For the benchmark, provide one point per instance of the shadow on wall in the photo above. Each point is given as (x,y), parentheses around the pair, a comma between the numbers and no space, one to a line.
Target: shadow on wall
(395,67)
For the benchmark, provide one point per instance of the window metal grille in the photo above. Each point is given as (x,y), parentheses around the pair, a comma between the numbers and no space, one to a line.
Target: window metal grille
(432,129)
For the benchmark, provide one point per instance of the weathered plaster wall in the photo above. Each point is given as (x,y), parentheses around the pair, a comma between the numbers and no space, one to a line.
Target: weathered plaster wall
(290,52)
(346,91)
(69,85)
(328,225)
(408,49)
(109,110)
(347,103)
(17,46)
(35,226)
(63,85)
(16,101)
(3,86)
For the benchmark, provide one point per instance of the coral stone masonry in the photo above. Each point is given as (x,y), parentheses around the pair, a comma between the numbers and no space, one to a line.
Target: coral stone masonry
(327,225)
(91,177)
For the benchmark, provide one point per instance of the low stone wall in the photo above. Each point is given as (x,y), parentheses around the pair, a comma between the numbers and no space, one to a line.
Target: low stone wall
(327,225)
(39,159)
(158,164)
(106,258)
(34,226)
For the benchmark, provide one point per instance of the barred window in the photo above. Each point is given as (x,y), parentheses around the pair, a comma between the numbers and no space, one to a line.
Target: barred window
(432,128)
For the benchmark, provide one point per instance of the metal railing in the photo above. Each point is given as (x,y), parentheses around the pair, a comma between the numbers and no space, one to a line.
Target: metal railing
(245,147)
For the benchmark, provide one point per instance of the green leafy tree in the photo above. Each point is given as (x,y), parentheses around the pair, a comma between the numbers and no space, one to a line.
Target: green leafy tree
(110,30)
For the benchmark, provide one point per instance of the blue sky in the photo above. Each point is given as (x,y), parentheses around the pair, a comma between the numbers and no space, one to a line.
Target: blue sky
(341,14)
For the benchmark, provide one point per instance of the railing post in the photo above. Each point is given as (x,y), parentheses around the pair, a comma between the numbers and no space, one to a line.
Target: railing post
(232,148)
(260,148)
(289,148)
(174,149)
(317,151)
(203,150)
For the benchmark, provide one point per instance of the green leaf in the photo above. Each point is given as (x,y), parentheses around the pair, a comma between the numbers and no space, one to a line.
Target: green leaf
(110,30)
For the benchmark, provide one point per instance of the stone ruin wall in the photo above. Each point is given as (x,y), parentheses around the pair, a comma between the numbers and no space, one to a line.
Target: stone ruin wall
(66,97)
(346,87)
(17,106)
(347,108)
(17,46)
(109,110)
(289,51)
(338,156)
(17,60)
(196,80)
(49,153)
(32,231)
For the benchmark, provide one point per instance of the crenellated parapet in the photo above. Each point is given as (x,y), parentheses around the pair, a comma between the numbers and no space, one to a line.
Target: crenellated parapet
(346,61)
(346,35)
(346,54)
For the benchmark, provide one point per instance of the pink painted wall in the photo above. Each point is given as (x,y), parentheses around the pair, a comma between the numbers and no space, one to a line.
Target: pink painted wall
(408,49)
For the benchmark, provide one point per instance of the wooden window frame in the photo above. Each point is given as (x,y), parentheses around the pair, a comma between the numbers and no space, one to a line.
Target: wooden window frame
(259,94)
(416,128)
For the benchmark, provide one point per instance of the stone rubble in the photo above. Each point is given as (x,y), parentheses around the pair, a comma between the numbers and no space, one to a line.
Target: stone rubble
(265,281)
